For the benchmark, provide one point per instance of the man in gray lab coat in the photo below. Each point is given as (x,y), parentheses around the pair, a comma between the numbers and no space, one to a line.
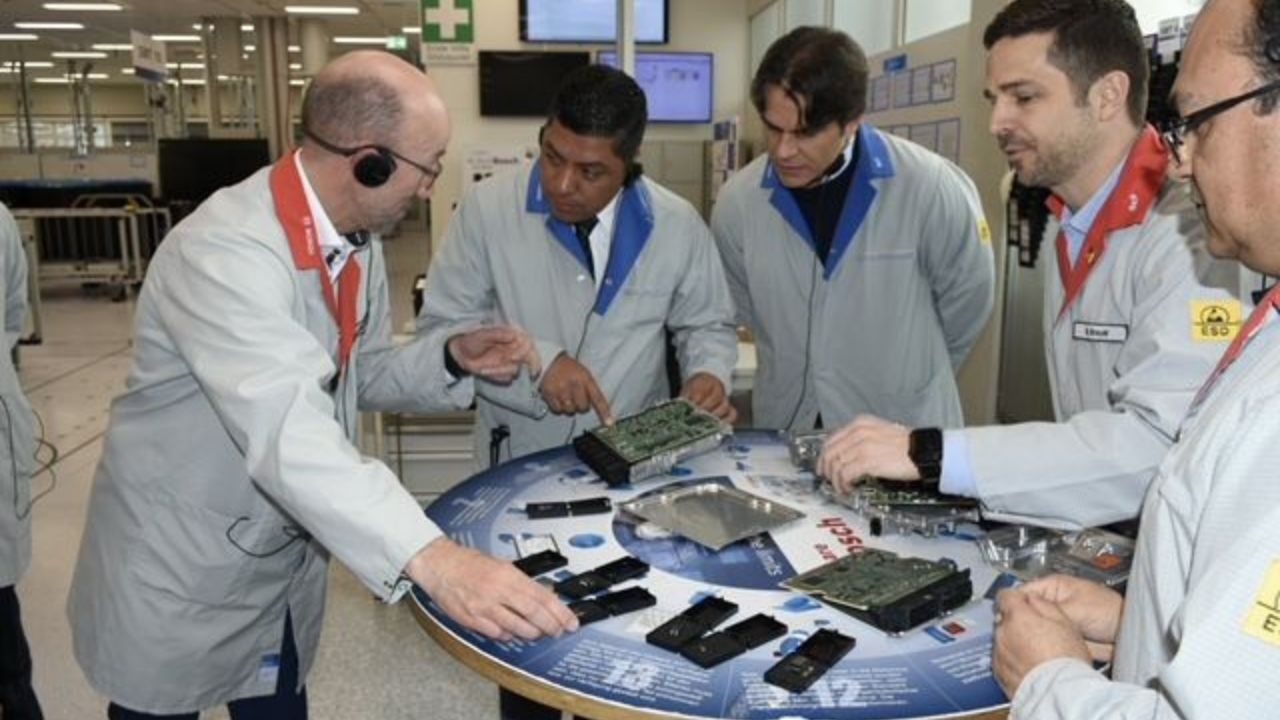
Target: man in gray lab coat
(593,260)
(861,261)
(1136,310)
(1197,635)
(17,461)
(229,473)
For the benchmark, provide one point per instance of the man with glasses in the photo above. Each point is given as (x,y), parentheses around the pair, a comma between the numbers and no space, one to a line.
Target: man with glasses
(1136,311)
(1197,635)
(229,473)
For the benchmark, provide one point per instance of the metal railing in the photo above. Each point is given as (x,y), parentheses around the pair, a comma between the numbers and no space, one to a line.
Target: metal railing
(103,238)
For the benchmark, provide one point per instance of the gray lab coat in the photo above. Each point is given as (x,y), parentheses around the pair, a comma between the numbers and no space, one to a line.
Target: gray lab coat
(506,258)
(229,474)
(17,435)
(907,288)
(1124,362)
(1200,633)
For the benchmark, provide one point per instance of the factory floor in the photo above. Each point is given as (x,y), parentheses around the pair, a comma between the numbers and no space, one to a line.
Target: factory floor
(375,661)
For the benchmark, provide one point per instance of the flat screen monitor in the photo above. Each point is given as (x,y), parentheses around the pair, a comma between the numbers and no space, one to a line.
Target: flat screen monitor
(521,84)
(192,169)
(677,85)
(590,21)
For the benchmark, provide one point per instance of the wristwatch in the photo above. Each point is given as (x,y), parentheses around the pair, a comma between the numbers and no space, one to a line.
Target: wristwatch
(925,450)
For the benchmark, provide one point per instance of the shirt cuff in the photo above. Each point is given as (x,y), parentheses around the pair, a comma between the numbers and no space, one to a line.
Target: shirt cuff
(957,470)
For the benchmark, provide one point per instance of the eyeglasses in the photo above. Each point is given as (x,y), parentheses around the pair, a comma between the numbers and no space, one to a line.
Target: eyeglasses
(429,174)
(1175,130)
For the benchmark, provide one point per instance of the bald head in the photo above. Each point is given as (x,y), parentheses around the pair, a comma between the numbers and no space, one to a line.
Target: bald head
(368,96)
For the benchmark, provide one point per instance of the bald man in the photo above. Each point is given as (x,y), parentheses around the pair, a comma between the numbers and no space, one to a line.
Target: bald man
(229,473)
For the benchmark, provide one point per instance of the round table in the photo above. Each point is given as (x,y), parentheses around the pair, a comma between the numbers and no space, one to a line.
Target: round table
(606,670)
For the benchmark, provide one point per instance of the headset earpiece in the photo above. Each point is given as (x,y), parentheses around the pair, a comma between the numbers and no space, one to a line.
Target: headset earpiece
(375,168)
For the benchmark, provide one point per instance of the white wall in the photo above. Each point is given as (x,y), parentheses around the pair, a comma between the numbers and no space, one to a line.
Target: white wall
(716,26)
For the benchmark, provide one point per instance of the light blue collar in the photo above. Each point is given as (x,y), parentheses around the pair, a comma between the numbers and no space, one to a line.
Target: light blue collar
(1075,225)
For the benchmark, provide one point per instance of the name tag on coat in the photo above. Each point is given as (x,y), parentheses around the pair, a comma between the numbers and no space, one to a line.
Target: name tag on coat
(1099,332)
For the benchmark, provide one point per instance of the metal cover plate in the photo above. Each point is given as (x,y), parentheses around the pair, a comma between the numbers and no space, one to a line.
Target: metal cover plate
(712,514)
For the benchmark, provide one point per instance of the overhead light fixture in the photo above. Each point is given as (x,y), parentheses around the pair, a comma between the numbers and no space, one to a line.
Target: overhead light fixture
(250,48)
(176,38)
(185,65)
(246,27)
(411,30)
(28,63)
(321,10)
(295,66)
(25,25)
(52,81)
(16,37)
(84,6)
(112,47)
(77,54)
(188,81)
(360,40)
(126,71)
(295,48)
(297,82)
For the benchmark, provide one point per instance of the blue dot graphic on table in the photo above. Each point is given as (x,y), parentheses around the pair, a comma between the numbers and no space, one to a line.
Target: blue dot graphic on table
(755,563)
(586,541)
(799,604)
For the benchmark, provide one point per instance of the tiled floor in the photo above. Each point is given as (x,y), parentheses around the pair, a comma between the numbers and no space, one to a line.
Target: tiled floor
(375,662)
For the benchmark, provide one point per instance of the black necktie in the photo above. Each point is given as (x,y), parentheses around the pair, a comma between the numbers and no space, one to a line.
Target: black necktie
(583,231)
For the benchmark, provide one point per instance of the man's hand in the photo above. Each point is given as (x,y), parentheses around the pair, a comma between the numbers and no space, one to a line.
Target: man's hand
(1094,609)
(570,389)
(867,446)
(1030,631)
(488,595)
(707,392)
(495,353)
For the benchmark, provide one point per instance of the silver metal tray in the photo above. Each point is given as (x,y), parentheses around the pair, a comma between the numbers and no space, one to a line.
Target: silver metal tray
(712,514)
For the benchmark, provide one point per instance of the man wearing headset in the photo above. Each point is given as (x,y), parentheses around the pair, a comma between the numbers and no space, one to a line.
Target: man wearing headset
(861,261)
(594,260)
(229,473)
(1130,286)
(17,461)
(1197,634)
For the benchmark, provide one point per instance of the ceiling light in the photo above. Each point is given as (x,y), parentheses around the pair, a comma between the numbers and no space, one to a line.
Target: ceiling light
(112,46)
(295,48)
(77,54)
(246,27)
(250,48)
(52,81)
(126,71)
(295,66)
(176,38)
(84,6)
(185,65)
(321,10)
(360,40)
(29,63)
(188,81)
(19,36)
(411,30)
(49,25)
(297,83)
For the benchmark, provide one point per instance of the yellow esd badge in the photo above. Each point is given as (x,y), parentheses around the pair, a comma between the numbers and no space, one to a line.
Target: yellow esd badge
(1215,320)
(1263,620)
(984,231)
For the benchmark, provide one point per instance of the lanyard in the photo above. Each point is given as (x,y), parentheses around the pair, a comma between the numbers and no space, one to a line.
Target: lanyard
(299,226)
(1135,192)
(1270,302)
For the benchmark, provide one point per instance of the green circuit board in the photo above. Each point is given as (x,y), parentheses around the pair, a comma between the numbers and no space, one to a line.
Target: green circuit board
(662,428)
(870,579)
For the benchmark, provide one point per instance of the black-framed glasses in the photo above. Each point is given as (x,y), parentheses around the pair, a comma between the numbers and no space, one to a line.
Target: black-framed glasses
(428,173)
(1175,130)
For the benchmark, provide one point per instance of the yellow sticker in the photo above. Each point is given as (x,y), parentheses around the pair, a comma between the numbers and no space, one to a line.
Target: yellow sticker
(1215,320)
(1263,620)
(984,231)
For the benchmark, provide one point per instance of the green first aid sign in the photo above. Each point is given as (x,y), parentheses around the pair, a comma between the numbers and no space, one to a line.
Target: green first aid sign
(448,21)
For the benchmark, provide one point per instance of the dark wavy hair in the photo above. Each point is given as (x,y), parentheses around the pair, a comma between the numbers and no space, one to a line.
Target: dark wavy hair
(823,71)
(1091,39)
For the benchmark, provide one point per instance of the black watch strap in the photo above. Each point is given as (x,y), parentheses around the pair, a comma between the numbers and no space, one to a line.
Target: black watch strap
(451,366)
(925,450)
